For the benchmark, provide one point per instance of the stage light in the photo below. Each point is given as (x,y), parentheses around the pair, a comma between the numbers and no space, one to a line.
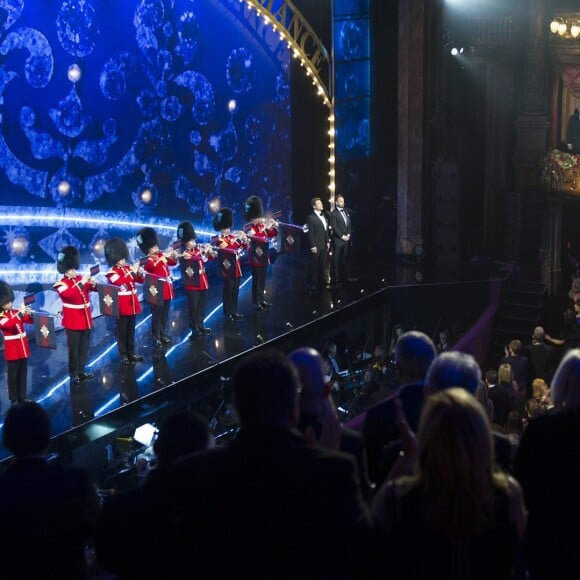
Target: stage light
(146,434)
(214,205)
(63,188)
(232,105)
(74,73)
(455,51)
(146,196)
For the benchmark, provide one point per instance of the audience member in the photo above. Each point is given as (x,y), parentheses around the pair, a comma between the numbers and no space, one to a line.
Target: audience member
(541,392)
(313,402)
(547,464)
(504,395)
(413,353)
(282,507)
(458,510)
(138,520)
(519,363)
(47,510)
(541,357)
(460,369)
(514,427)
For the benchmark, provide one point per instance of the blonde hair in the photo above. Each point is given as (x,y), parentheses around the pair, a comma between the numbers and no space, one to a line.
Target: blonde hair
(505,373)
(455,468)
(538,388)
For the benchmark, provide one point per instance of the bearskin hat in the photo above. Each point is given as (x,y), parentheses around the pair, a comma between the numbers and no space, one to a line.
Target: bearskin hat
(223,219)
(6,293)
(253,208)
(116,249)
(185,232)
(68,259)
(146,239)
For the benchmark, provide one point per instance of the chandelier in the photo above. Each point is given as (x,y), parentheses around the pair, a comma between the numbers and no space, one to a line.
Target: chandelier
(566,26)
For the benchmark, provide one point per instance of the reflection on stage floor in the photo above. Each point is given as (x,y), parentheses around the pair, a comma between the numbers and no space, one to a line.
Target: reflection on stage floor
(115,385)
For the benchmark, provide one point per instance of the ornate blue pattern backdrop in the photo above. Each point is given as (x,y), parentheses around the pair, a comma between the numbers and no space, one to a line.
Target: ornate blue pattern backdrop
(120,113)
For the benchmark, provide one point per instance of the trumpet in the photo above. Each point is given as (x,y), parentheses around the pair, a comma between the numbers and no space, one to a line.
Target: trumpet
(241,237)
(26,310)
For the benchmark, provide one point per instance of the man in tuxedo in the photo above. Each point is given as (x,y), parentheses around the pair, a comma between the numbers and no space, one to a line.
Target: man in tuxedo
(318,236)
(340,225)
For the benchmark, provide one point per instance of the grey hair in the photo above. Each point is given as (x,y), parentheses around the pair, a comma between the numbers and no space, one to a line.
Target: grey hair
(454,369)
(566,381)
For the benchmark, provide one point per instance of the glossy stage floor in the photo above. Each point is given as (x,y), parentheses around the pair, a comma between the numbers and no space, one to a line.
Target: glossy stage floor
(115,385)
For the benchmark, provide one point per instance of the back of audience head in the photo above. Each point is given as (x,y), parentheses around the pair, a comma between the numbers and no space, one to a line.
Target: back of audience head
(455,458)
(453,369)
(538,334)
(414,352)
(266,387)
(26,430)
(566,382)
(308,361)
(180,434)
(539,389)
(515,346)
(505,373)
(491,377)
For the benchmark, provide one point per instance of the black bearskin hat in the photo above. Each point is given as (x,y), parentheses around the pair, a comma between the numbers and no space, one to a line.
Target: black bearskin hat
(68,259)
(116,249)
(146,239)
(253,208)
(223,219)
(185,232)
(6,293)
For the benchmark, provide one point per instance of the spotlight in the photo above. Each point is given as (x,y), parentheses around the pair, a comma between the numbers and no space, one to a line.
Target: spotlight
(146,434)
(455,51)
(289,326)
(259,338)
(146,196)
(214,205)
(232,105)
(74,73)
(63,188)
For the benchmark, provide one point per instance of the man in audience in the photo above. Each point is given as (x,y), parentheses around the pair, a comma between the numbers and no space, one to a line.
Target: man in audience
(541,356)
(280,507)
(47,511)
(413,353)
(460,369)
(314,400)
(519,362)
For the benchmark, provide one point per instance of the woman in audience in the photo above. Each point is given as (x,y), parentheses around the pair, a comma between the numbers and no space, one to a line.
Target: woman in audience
(504,395)
(547,464)
(462,514)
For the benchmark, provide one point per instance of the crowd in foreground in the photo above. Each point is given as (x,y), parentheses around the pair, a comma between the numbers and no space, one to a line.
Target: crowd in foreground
(426,489)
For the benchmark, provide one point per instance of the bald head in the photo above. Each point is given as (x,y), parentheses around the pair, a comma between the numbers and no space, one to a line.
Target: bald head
(308,362)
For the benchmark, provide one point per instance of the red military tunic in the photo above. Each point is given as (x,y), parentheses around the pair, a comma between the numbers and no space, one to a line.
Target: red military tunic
(15,340)
(197,259)
(259,233)
(158,266)
(126,279)
(76,305)
(231,244)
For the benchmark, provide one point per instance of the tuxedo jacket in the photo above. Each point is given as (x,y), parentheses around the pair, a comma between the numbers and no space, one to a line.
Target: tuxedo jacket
(318,236)
(338,225)
(269,496)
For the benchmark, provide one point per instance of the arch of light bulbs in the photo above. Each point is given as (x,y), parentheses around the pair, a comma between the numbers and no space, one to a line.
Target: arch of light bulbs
(293,29)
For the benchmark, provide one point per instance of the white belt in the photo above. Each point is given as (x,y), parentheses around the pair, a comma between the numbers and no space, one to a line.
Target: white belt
(77,306)
(15,336)
(129,293)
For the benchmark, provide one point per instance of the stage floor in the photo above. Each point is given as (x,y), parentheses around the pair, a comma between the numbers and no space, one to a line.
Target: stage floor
(115,385)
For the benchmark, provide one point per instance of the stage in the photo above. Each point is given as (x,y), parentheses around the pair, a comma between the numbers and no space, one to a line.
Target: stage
(115,385)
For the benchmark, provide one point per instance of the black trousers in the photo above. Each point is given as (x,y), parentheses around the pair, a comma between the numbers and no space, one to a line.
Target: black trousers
(196,300)
(159,318)
(316,268)
(258,283)
(230,295)
(126,335)
(78,350)
(17,371)
(340,260)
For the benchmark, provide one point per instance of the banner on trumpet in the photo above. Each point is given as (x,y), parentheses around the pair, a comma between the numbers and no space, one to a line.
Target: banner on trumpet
(109,300)
(44,332)
(94,270)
